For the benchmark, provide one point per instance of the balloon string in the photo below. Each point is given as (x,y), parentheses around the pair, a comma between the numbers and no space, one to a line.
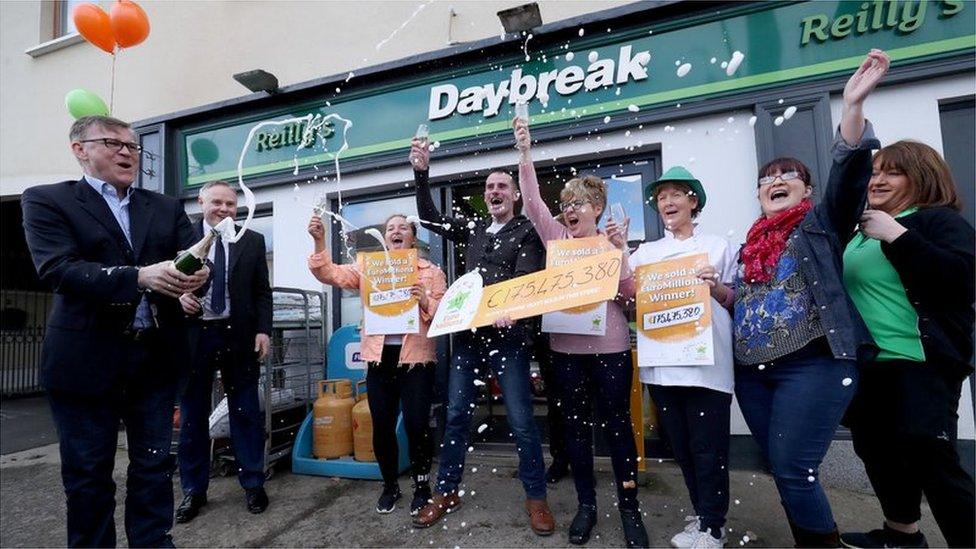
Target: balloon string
(111,96)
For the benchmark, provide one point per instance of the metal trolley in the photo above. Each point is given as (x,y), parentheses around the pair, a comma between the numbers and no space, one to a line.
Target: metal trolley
(288,380)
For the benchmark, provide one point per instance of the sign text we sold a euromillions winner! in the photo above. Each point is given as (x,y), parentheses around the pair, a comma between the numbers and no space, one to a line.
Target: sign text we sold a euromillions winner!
(446,99)
(388,305)
(674,314)
(467,304)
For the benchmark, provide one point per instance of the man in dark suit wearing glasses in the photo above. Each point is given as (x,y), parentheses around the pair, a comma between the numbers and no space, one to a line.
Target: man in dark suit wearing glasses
(116,338)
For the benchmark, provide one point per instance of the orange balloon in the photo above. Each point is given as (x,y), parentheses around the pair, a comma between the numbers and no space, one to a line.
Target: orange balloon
(93,24)
(130,24)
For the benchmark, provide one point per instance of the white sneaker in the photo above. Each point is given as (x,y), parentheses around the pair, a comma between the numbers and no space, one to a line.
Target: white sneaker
(686,537)
(706,541)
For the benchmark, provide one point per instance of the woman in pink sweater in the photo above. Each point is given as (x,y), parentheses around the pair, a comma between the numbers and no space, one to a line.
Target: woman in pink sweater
(591,369)
(400,367)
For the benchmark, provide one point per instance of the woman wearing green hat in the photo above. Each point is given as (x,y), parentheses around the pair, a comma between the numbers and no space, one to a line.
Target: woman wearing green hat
(693,401)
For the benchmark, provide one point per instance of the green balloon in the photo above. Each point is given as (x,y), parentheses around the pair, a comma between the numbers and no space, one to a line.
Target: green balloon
(84,103)
(204,151)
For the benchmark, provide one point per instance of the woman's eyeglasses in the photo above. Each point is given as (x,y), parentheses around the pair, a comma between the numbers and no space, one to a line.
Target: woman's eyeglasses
(574,205)
(770,179)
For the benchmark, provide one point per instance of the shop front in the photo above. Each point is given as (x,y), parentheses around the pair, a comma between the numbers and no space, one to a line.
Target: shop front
(719,88)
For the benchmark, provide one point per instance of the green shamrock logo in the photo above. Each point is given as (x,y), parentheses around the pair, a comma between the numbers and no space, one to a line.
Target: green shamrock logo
(457,301)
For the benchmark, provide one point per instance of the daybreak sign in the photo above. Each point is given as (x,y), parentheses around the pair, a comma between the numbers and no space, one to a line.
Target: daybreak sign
(627,66)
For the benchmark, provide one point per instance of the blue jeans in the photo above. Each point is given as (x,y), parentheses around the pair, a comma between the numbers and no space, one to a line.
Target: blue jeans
(602,381)
(793,408)
(246,419)
(473,357)
(88,431)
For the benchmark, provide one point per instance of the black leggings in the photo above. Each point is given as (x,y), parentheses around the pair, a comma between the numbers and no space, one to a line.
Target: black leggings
(903,424)
(389,384)
(602,382)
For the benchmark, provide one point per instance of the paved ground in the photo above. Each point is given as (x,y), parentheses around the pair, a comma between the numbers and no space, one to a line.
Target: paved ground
(25,423)
(315,511)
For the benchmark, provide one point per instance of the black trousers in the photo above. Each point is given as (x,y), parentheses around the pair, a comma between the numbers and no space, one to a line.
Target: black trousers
(903,424)
(390,386)
(88,431)
(696,424)
(554,413)
(602,382)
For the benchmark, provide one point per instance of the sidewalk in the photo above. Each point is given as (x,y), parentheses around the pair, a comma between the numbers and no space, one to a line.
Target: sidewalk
(316,511)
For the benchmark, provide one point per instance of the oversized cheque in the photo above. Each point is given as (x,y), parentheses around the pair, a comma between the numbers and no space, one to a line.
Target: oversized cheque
(388,306)
(674,314)
(467,304)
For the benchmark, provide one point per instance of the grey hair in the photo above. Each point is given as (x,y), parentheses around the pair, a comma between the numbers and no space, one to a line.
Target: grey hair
(211,184)
(79,130)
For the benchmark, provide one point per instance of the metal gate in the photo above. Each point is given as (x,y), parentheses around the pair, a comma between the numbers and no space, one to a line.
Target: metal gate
(22,320)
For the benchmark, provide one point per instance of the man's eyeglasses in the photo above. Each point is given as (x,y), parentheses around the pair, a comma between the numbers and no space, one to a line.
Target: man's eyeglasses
(574,205)
(770,179)
(115,145)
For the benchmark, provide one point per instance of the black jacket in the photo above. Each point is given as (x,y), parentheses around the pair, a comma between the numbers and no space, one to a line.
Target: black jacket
(79,250)
(934,260)
(513,251)
(250,305)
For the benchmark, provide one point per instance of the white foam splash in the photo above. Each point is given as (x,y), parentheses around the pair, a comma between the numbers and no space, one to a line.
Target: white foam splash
(525,47)
(737,58)
(789,112)
(778,121)
(633,108)
(416,12)
(683,70)
(752,120)
(592,57)
(570,55)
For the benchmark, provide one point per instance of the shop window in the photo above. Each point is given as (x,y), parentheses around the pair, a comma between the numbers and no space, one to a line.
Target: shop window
(263,224)
(958,122)
(63,21)
(366,215)
(806,136)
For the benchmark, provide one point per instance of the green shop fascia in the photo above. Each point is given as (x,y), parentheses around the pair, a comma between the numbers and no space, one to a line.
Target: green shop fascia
(569,78)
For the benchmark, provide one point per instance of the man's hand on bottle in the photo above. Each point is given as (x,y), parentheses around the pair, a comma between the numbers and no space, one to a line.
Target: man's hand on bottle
(191,304)
(166,279)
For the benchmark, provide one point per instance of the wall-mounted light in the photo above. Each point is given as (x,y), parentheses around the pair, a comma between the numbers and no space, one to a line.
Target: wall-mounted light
(521,18)
(258,80)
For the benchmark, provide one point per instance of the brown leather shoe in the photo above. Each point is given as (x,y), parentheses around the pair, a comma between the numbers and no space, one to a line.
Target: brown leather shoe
(439,506)
(540,517)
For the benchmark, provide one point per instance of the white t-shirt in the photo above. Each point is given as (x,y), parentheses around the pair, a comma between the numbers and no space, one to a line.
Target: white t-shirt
(718,376)
(494,227)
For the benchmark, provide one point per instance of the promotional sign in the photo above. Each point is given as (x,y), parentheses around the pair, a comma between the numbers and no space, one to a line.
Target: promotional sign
(388,306)
(674,314)
(468,305)
(587,319)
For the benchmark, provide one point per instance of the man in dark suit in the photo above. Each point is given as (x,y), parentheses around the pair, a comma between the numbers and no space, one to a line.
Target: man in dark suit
(230,332)
(116,337)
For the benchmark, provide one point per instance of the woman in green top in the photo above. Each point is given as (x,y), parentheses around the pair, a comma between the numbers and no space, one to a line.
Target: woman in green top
(909,271)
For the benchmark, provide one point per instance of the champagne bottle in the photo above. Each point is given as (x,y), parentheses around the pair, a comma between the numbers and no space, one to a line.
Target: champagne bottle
(190,261)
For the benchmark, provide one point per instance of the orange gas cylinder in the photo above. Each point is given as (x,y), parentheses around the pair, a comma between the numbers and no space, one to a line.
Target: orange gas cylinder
(362,425)
(332,424)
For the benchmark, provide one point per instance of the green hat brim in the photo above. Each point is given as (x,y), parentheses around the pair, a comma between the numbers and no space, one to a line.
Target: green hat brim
(677,175)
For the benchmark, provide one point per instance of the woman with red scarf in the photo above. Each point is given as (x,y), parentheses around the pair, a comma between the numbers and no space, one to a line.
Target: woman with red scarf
(797,335)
